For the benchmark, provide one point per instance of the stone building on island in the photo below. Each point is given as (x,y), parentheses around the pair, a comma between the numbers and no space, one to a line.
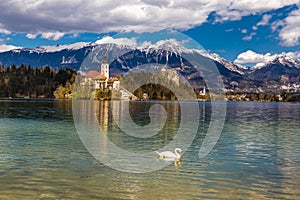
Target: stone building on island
(99,79)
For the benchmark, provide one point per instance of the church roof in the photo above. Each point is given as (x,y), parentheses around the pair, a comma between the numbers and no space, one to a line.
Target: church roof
(111,80)
(92,74)
(95,75)
(101,77)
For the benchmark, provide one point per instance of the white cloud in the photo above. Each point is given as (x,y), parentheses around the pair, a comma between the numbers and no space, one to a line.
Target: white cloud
(261,5)
(3,30)
(4,47)
(277,24)
(229,30)
(251,57)
(244,30)
(290,33)
(236,9)
(145,44)
(229,15)
(120,41)
(249,37)
(52,19)
(46,35)
(294,55)
(31,36)
(52,35)
(265,20)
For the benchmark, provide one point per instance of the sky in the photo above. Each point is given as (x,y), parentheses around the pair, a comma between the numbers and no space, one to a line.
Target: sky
(247,32)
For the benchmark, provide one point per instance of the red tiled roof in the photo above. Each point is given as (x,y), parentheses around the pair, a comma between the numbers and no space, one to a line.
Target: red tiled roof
(101,77)
(92,74)
(112,80)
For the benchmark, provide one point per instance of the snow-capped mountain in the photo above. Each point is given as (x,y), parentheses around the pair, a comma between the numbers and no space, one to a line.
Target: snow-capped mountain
(228,64)
(56,48)
(283,60)
(125,55)
(281,66)
(72,55)
(56,56)
(170,45)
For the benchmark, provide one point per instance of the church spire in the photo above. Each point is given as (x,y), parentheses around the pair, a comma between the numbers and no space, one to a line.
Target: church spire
(105,66)
(105,58)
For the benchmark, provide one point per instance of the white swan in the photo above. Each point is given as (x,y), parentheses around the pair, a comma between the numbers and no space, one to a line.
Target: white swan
(169,155)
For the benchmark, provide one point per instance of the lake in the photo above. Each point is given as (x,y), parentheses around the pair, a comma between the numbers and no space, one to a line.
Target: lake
(43,157)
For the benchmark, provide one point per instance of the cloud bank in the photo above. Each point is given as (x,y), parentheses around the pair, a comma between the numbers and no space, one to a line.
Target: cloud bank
(120,41)
(251,57)
(290,33)
(52,19)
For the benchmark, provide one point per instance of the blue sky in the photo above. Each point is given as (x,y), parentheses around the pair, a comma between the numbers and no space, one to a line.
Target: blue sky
(244,31)
(231,38)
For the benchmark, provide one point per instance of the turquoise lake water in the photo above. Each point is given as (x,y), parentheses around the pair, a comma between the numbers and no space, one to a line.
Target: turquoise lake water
(256,157)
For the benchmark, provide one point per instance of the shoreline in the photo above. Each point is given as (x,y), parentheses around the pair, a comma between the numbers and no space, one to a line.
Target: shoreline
(149,100)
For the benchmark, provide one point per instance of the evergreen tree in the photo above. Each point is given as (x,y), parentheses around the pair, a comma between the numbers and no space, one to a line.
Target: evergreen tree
(25,81)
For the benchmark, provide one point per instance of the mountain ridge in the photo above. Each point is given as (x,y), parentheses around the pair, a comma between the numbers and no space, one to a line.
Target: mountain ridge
(282,70)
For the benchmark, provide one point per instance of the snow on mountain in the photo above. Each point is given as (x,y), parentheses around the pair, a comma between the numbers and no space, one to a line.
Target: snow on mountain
(4,48)
(173,46)
(167,51)
(68,60)
(125,55)
(121,42)
(95,57)
(228,64)
(56,48)
(287,61)
(69,55)
(170,45)
(281,59)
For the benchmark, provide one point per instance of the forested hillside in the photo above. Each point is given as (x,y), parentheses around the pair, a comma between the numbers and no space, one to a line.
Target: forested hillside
(26,81)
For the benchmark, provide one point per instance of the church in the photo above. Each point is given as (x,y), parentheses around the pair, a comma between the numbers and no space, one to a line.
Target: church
(99,79)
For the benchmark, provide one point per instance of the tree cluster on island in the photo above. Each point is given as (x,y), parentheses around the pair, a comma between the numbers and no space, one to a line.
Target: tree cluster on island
(29,82)
(46,82)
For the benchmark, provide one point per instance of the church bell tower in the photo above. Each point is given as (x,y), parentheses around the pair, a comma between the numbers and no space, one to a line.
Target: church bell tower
(105,66)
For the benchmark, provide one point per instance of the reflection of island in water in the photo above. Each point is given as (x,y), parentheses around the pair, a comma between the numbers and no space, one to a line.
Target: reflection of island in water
(104,118)
(139,114)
